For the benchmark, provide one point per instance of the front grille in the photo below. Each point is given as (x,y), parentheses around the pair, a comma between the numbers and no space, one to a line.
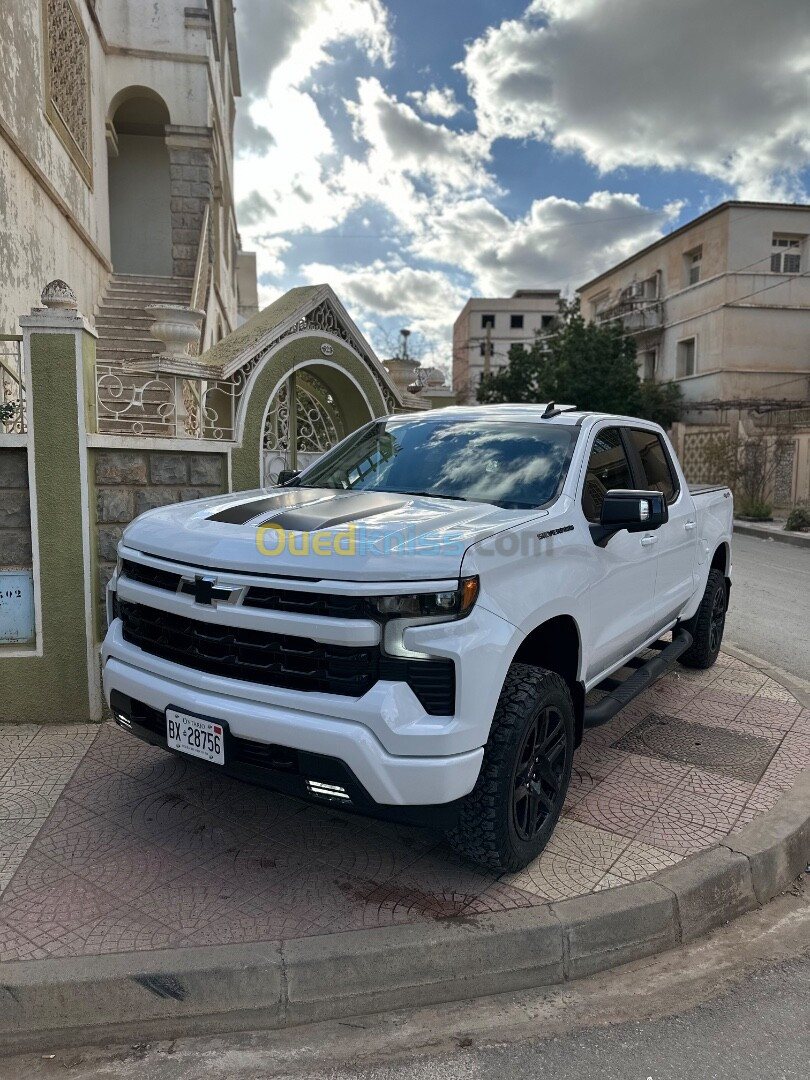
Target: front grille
(285,660)
(266,598)
(150,575)
(303,603)
(295,663)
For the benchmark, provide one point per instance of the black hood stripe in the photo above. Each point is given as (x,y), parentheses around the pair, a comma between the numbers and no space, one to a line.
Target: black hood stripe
(242,512)
(311,509)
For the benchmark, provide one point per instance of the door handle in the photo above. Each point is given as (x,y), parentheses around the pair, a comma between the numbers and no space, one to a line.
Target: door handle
(690,525)
(648,541)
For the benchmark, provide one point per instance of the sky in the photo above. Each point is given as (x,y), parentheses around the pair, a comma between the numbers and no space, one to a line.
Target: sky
(414,153)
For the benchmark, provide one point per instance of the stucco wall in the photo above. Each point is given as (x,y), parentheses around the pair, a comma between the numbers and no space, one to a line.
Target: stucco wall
(127,483)
(53,687)
(15,512)
(37,244)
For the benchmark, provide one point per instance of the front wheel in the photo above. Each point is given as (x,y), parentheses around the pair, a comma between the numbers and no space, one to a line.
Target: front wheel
(508,817)
(707,624)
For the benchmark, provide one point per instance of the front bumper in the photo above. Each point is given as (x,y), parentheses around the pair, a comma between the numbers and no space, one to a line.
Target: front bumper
(387,780)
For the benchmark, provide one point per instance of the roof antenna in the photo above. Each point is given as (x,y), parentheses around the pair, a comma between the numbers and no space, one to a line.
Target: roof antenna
(550,411)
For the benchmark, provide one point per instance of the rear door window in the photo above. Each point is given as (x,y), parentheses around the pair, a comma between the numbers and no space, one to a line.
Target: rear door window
(655,463)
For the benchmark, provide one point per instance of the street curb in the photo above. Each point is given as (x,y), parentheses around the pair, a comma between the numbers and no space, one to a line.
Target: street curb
(796,539)
(268,985)
(798,687)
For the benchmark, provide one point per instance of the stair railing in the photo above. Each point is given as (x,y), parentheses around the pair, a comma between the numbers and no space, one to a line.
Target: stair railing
(199,289)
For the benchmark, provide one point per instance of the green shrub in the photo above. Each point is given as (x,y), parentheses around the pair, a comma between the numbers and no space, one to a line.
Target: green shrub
(798,519)
(755,511)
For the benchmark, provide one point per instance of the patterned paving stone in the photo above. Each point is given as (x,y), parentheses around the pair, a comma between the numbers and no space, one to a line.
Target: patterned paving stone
(109,845)
(586,844)
(556,877)
(353,845)
(638,861)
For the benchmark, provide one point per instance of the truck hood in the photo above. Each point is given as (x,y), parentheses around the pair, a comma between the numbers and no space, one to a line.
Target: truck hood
(322,533)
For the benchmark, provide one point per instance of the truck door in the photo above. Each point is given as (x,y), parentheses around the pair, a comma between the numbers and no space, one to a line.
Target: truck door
(676,541)
(622,579)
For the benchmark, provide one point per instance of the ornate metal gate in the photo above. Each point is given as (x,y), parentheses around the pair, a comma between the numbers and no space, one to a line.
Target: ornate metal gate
(296,436)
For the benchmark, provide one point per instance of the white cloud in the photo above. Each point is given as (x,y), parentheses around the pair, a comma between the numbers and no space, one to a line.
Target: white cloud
(286,40)
(286,178)
(425,301)
(400,139)
(720,88)
(436,102)
(558,243)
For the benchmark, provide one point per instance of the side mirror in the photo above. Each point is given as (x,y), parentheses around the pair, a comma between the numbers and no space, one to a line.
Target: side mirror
(635,511)
(286,476)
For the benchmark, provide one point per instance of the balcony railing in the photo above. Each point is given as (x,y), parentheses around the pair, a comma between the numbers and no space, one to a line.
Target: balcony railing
(635,316)
(12,386)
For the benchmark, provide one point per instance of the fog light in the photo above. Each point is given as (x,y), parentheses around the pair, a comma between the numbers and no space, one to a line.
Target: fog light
(327,791)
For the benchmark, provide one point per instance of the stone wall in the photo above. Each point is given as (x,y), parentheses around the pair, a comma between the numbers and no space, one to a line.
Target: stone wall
(129,482)
(191,170)
(15,512)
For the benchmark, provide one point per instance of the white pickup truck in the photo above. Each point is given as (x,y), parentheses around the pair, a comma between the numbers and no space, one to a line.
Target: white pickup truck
(409,627)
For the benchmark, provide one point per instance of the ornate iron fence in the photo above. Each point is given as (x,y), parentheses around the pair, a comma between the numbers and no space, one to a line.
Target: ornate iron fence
(12,386)
(171,406)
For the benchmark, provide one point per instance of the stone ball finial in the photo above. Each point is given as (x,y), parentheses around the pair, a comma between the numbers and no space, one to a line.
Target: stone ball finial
(58,296)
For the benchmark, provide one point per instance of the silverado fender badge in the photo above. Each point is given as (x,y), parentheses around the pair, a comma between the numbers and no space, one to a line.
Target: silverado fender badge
(555,532)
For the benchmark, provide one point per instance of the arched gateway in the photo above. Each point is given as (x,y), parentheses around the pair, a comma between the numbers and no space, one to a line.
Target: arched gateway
(295,378)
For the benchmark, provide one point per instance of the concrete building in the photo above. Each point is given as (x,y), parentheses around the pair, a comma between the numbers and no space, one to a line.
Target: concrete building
(486,330)
(722,305)
(116,164)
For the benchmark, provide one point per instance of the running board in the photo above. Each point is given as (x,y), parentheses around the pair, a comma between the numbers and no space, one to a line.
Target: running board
(622,693)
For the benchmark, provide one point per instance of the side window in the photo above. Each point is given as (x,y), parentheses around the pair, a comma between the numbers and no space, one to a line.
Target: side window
(608,468)
(655,462)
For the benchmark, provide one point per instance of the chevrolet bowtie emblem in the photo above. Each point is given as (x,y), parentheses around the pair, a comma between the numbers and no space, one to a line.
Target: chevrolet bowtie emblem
(204,589)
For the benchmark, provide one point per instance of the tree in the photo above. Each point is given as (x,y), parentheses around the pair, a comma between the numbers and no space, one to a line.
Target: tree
(590,366)
(661,402)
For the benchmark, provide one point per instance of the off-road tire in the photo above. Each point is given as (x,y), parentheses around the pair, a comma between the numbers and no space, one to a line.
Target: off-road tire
(703,626)
(486,831)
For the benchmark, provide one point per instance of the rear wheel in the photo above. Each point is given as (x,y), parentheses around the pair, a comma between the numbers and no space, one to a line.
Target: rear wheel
(708,624)
(508,817)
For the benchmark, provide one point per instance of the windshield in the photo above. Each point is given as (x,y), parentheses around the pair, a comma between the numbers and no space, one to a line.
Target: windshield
(516,466)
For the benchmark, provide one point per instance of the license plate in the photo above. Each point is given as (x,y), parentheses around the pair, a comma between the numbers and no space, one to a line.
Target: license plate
(201,738)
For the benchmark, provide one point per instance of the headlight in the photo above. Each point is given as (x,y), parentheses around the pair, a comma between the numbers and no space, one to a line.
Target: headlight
(453,604)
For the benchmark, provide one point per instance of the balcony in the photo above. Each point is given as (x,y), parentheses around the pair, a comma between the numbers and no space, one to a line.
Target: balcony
(636,316)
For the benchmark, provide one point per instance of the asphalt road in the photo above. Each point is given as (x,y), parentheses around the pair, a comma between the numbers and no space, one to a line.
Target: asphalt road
(770,602)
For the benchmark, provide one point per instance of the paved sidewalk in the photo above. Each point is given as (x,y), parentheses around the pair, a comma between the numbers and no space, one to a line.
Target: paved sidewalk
(109,845)
(772,530)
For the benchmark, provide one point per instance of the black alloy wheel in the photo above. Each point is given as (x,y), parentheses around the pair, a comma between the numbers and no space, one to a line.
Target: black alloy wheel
(538,785)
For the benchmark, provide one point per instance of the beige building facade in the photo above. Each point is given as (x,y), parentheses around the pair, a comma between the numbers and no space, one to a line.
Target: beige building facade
(116,158)
(721,305)
(486,329)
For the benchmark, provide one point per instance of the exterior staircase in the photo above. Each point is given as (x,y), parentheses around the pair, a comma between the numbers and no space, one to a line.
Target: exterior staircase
(121,320)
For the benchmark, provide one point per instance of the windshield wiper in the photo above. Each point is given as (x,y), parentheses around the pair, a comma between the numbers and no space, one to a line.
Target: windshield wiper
(434,495)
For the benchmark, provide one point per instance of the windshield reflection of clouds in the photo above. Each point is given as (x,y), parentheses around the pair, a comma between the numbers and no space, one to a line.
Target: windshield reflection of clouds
(512,464)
